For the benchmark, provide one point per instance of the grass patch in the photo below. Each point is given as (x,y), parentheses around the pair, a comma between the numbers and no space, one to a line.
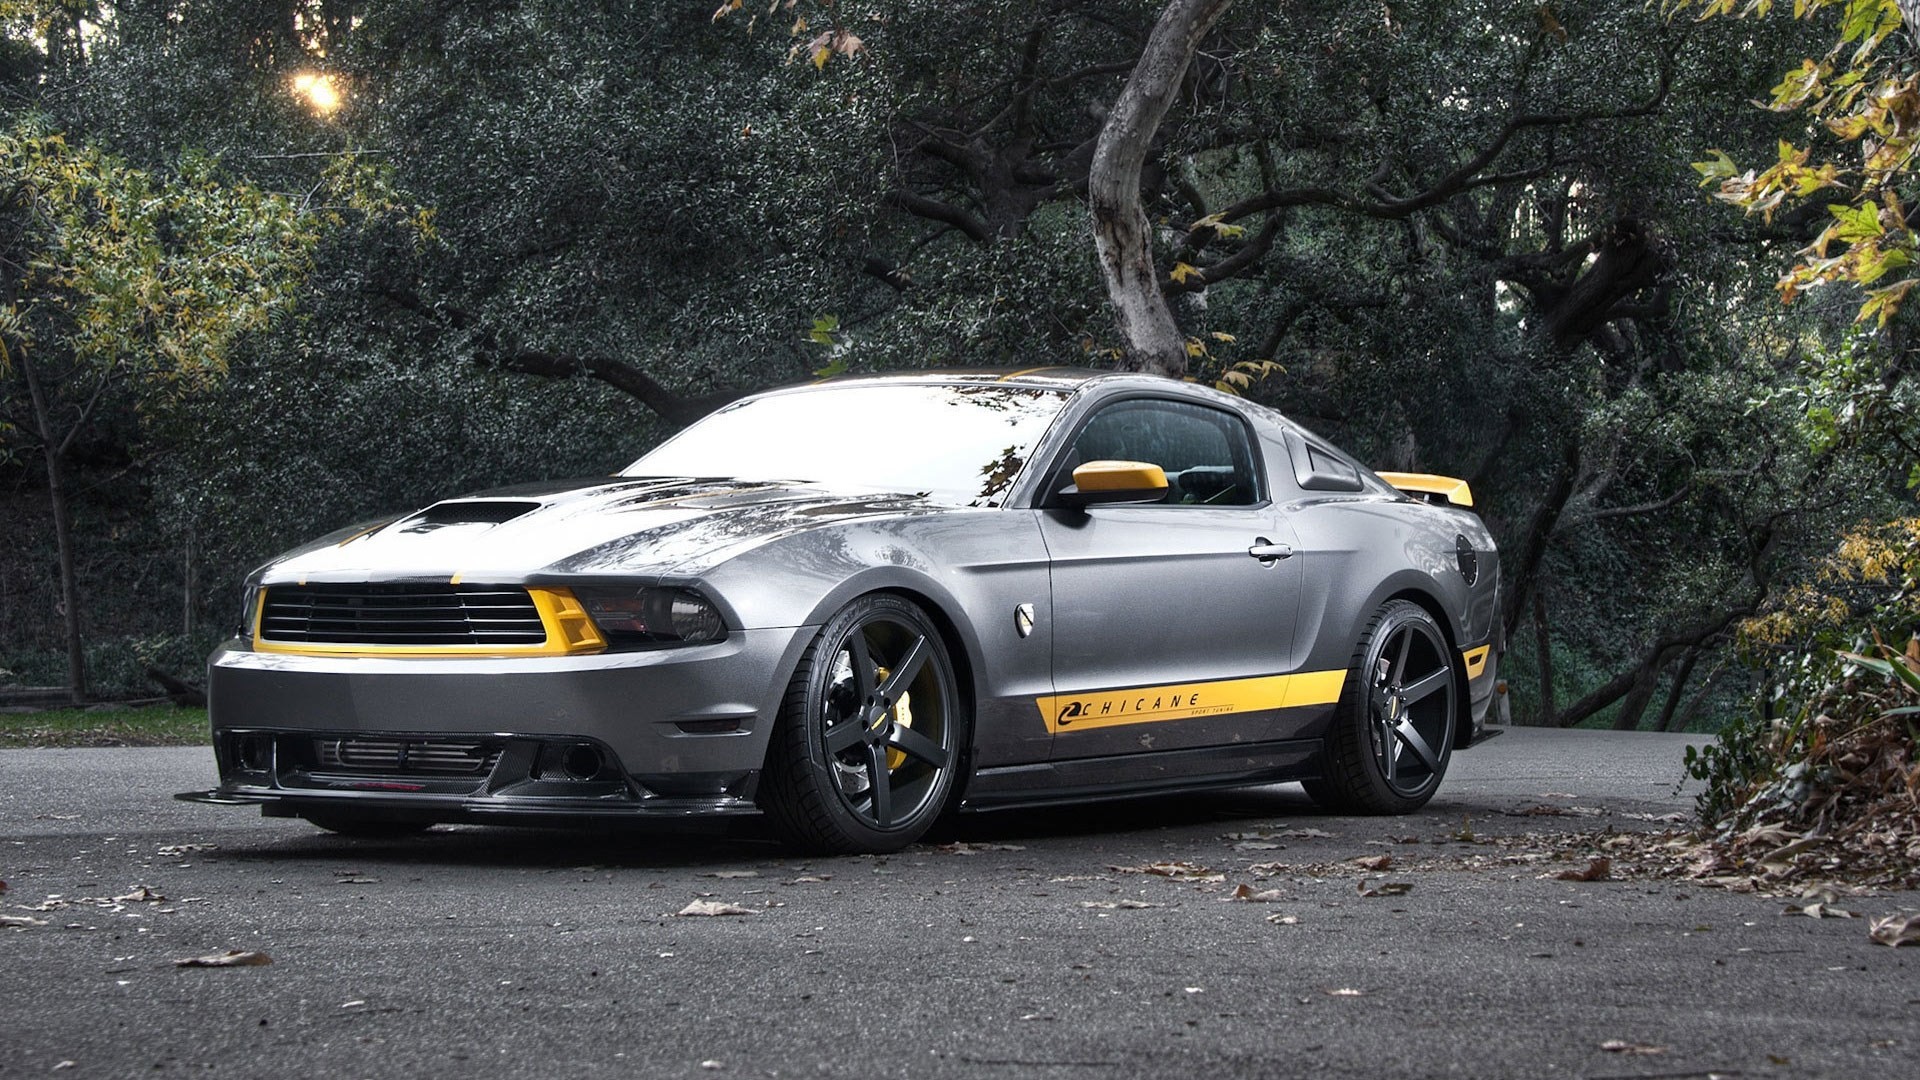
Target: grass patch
(152,725)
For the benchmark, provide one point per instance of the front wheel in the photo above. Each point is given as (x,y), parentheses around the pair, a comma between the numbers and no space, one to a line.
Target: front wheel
(1393,728)
(870,736)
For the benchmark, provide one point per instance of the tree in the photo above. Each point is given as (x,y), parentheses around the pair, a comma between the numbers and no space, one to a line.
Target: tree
(1150,338)
(1858,95)
(1468,235)
(116,281)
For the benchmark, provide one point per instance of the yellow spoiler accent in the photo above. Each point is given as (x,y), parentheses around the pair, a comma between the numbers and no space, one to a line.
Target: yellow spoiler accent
(1454,491)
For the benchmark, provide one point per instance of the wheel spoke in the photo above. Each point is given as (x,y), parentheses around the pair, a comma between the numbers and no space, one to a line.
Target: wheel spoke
(845,735)
(882,789)
(1411,737)
(1400,659)
(1426,687)
(918,746)
(905,671)
(862,664)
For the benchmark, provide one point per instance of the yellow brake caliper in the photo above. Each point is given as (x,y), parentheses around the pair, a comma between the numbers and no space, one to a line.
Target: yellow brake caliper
(902,714)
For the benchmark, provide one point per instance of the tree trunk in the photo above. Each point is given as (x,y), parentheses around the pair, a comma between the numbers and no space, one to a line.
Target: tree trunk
(1532,550)
(1634,706)
(62,530)
(1680,677)
(1543,646)
(1150,340)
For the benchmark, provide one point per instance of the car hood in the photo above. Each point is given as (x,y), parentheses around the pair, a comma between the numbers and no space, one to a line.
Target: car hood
(584,528)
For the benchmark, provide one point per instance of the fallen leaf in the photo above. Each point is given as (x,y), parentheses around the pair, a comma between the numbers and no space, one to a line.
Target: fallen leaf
(809,879)
(141,894)
(732,874)
(961,847)
(183,849)
(713,907)
(1598,868)
(1346,991)
(1257,845)
(1262,896)
(1173,871)
(1896,930)
(230,958)
(1385,888)
(1117,905)
(21,921)
(355,879)
(1265,868)
(1373,862)
(1621,1046)
(1283,920)
(1785,853)
(1819,910)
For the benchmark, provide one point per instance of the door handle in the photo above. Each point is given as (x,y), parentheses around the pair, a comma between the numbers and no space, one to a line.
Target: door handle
(1268,552)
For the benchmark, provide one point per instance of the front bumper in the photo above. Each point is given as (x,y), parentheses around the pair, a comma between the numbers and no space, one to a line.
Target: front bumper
(671,732)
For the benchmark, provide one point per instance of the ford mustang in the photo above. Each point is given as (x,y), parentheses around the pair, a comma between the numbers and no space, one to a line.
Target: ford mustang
(857,606)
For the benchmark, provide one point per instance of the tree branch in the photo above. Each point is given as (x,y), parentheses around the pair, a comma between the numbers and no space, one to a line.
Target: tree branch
(945,213)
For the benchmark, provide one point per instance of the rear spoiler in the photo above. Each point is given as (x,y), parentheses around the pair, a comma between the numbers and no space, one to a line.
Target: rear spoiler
(1434,489)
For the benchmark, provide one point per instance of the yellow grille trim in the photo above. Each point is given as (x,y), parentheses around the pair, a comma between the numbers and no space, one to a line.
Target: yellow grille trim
(570,632)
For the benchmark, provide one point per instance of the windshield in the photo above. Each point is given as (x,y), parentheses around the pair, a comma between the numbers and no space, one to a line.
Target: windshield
(961,445)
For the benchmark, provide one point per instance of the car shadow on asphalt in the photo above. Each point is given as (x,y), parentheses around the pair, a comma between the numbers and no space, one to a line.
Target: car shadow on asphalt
(666,846)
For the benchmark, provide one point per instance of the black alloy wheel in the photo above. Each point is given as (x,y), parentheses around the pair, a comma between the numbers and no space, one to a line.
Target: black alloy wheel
(869,741)
(1393,728)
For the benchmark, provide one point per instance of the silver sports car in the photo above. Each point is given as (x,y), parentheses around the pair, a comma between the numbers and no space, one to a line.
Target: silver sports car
(856,606)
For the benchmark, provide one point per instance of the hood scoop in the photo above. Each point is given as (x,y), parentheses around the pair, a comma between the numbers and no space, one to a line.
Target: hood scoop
(467,512)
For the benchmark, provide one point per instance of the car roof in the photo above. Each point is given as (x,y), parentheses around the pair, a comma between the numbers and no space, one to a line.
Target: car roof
(1050,378)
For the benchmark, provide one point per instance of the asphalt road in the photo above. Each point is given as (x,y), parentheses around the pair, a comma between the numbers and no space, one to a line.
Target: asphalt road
(1022,952)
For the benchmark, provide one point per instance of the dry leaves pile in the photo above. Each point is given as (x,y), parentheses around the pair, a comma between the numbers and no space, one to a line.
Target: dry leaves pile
(1849,813)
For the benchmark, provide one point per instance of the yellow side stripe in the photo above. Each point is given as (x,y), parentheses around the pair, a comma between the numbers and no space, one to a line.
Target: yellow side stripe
(1155,704)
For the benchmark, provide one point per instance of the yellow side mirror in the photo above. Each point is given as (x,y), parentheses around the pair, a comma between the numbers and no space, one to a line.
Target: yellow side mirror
(1115,482)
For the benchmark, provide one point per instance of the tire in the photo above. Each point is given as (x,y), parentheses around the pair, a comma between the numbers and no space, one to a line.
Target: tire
(870,736)
(366,828)
(1394,725)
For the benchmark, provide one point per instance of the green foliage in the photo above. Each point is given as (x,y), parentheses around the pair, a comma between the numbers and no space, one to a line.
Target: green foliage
(1864,103)
(155,725)
(121,268)
(565,187)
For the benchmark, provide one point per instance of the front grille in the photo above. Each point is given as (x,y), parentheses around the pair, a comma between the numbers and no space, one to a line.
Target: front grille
(397,757)
(401,615)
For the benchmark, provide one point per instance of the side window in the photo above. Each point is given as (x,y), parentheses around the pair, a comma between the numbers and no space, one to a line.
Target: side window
(1203,451)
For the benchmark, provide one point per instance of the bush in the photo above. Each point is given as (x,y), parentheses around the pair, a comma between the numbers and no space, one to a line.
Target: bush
(1822,775)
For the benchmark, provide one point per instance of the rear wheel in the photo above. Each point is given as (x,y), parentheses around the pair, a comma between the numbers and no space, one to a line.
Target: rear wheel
(1393,728)
(869,738)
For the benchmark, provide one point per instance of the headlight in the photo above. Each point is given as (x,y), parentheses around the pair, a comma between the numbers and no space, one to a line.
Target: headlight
(628,616)
(249,603)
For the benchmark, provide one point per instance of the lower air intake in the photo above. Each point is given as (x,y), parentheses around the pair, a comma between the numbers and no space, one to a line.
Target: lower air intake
(396,757)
